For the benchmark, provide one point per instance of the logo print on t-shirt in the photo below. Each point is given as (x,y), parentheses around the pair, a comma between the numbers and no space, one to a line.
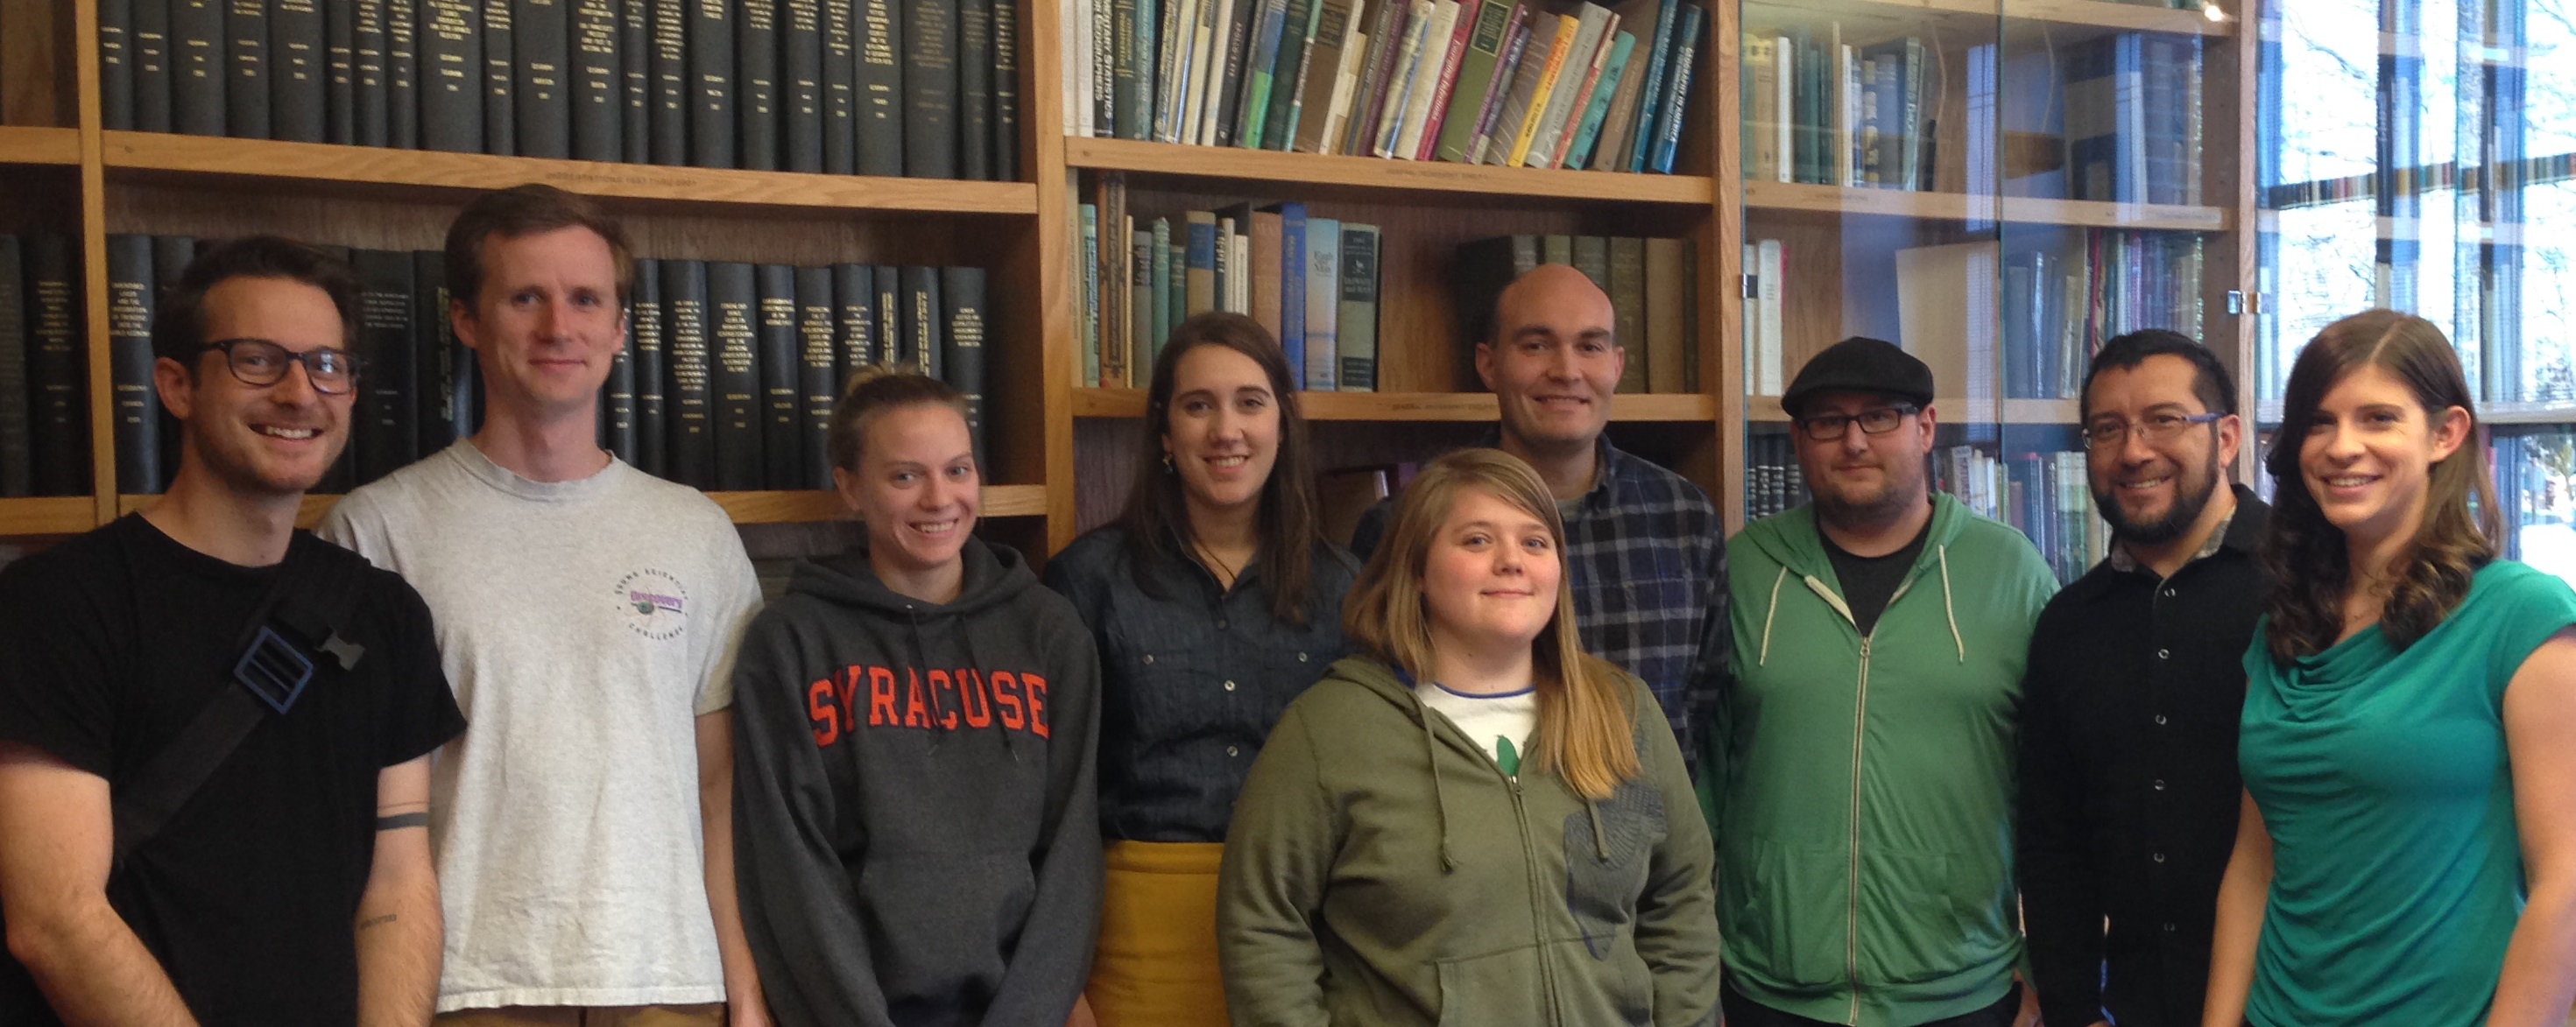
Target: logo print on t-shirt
(654,604)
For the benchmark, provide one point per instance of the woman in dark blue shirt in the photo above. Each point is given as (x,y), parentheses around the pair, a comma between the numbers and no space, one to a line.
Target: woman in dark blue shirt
(1215,600)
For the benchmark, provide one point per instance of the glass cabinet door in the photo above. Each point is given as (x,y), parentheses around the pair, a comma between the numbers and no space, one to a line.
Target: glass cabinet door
(1998,187)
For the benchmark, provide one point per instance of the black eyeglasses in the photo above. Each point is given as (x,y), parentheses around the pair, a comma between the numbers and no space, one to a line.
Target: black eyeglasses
(1874,421)
(2153,428)
(263,363)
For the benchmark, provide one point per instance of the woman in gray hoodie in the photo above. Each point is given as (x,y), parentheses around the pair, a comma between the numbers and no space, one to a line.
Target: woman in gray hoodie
(917,842)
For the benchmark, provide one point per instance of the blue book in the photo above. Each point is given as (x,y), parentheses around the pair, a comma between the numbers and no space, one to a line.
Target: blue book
(1658,58)
(2104,122)
(1090,296)
(1676,98)
(1199,264)
(1292,282)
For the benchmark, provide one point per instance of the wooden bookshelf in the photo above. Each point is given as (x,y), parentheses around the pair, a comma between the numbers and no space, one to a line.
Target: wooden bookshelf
(1971,20)
(786,507)
(1952,410)
(1934,206)
(377,171)
(1304,173)
(24,145)
(1416,406)
(48,515)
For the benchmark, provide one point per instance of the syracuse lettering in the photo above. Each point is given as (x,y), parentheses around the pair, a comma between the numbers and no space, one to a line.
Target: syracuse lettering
(940,699)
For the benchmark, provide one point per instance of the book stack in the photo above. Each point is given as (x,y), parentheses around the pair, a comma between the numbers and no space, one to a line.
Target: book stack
(727,380)
(2133,119)
(925,88)
(44,379)
(1654,298)
(1772,482)
(2063,303)
(1311,281)
(2046,495)
(1823,110)
(1550,84)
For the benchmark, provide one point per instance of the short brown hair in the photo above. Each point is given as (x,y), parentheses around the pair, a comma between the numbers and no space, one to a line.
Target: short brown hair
(875,389)
(1584,709)
(519,211)
(179,331)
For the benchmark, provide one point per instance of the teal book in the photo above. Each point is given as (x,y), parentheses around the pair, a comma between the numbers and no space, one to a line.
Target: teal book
(1090,296)
(1579,154)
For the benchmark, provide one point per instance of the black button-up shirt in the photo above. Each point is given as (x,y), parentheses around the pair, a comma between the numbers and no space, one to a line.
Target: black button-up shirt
(1192,678)
(2129,787)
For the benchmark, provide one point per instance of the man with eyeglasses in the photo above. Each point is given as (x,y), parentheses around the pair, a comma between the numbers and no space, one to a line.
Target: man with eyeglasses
(1865,856)
(215,728)
(588,614)
(2129,788)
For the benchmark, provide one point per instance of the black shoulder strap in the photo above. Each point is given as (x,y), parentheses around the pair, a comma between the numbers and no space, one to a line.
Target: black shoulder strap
(313,598)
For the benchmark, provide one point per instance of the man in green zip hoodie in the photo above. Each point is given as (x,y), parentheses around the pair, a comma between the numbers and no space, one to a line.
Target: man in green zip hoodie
(1865,839)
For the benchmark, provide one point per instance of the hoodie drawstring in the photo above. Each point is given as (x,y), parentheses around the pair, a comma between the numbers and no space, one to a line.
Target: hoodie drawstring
(1439,788)
(1949,609)
(1600,841)
(1765,659)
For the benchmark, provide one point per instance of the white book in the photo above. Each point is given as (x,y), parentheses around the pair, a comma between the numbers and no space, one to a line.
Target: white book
(1774,268)
(1846,112)
(1753,376)
(1593,27)
(1209,73)
(1078,67)
(1243,282)
(1426,76)
(1408,55)
(1345,82)
(1323,301)
(1785,119)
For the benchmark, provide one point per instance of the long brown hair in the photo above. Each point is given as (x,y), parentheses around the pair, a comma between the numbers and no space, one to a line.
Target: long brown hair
(1584,713)
(1157,512)
(2305,554)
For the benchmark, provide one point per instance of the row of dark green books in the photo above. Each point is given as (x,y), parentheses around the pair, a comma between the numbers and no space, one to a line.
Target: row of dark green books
(44,406)
(1541,83)
(727,380)
(1311,281)
(1652,285)
(925,88)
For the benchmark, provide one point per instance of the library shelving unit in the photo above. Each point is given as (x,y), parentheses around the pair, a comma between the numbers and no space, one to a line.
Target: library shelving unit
(1998,186)
(1053,440)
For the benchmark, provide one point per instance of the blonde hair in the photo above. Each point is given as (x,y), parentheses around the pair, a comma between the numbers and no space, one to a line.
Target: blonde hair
(1584,713)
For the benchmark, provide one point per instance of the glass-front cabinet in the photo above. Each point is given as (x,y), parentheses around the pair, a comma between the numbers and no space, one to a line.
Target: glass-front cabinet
(1998,187)
(2421,155)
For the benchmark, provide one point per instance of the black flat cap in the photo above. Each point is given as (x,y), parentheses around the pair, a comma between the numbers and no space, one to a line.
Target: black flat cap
(1861,364)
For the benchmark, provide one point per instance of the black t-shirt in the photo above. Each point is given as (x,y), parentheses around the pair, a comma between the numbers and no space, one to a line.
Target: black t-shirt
(110,644)
(1870,582)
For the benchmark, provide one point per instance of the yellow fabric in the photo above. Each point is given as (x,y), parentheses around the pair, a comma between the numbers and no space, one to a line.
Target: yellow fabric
(1156,965)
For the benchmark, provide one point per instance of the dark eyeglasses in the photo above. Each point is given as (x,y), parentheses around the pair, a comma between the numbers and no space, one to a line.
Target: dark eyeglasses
(263,363)
(2153,428)
(1874,421)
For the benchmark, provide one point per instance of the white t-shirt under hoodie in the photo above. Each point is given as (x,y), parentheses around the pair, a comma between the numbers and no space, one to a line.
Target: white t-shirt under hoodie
(584,625)
(1501,723)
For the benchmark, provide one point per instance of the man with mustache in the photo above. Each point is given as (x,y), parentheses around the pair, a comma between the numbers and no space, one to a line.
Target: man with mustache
(2129,712)
(1865,861)
(215,728)
(1643,546)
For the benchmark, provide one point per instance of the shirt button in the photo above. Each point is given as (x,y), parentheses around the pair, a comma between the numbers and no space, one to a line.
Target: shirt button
(1229,686)
(1301,657)
(1149,657)
(2160,784)
(2169,927)
(2164,654)
(1229,750)
(2160,720)
(2160,857)
(1220,625)
(2169,593)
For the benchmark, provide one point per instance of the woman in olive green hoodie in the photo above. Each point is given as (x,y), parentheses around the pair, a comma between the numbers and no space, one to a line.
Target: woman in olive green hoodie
(1393,857)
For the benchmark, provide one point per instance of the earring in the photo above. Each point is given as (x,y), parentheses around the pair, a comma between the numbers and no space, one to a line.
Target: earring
(1167,463)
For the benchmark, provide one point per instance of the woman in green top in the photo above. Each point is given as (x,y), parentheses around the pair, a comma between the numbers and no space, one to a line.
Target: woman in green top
(2407,850)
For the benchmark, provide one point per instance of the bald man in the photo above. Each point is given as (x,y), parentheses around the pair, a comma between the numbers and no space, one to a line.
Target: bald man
(1644,549)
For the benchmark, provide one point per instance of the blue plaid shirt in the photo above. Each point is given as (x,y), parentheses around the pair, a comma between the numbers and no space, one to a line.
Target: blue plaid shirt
(1645,553)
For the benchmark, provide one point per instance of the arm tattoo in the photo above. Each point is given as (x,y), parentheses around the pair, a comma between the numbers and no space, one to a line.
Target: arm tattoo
(402,820)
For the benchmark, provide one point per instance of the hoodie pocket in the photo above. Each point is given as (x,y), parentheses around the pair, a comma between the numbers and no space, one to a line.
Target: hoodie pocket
(1915,932)
(1491,989)
(941,927)
(1791,917)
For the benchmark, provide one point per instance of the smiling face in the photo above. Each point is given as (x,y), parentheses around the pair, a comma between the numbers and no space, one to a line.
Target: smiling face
(1489,577)
(2369,454)
(546,324)
(273,440)
(1222,430)
(1859,476)
(916,487)
(1553,360)
(2152,490)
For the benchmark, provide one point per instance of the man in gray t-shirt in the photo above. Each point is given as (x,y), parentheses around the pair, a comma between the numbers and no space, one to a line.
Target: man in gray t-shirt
(587,616)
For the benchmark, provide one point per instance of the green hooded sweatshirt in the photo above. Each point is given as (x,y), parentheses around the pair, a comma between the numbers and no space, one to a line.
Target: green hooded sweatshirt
(1381,870)
(1865,866)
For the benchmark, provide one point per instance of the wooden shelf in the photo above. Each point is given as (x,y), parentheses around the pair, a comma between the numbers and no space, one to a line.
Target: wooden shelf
(1309,171)
(1952,410)
(436,172)
(1970,18)
(1415,406)
(744,507)
(25,145)
(1827,199)
(48,515)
